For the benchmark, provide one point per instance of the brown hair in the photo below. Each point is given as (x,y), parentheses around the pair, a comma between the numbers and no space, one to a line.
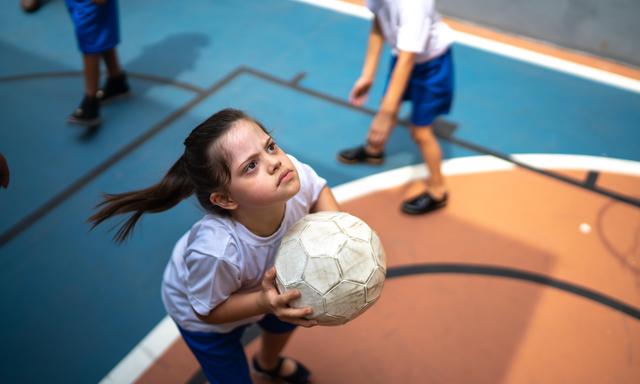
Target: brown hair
(202,169)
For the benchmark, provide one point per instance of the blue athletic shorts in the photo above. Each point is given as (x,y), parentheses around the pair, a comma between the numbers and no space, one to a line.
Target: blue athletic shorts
(430,88)
(96,26)
(221,355)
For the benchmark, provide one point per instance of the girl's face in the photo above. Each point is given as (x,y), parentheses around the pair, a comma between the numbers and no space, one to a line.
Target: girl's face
(261,173)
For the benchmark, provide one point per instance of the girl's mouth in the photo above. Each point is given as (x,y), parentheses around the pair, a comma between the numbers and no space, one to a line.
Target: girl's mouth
(285,176)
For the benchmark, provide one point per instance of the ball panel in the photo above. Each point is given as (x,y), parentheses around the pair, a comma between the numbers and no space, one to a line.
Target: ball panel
(322,238)
(328,319)
(356,261)
(374,286)
(353,226)
(346,299)
(309,297)
(321,273)
(321,216)
(290,262)
(378,251)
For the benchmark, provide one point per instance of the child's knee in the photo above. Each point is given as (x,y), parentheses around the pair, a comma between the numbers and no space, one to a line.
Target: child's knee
(422,135)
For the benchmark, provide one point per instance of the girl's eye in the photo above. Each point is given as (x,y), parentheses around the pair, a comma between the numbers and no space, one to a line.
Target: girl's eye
(251,166)
(272,147)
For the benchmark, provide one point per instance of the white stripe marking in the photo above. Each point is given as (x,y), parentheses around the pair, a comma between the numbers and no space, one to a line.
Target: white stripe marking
(165,333)
(522,54)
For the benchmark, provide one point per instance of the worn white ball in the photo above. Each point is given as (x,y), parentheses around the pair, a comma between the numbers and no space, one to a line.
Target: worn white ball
(336,261)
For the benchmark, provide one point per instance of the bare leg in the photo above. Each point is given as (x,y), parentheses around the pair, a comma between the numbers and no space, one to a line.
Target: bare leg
(271,346)
(91,73)
(432,156)
(110,58)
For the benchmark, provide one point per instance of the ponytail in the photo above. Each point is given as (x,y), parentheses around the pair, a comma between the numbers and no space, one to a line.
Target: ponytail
(202,169)
(174,187)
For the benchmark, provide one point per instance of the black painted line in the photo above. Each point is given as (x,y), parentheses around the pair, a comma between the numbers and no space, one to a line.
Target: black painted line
(58,199)
(592,179)
(462,143)
(135,75)
(486,270)
(296,80)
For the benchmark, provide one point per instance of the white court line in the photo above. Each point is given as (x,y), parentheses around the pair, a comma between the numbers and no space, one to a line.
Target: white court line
(503,49)
(165,333)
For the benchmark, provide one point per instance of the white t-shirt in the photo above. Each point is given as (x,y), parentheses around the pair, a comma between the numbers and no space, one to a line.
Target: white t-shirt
(220,256)
(413,26)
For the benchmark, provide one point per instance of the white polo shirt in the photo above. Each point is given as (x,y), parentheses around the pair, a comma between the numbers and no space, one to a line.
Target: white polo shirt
(412,26)
(220,256)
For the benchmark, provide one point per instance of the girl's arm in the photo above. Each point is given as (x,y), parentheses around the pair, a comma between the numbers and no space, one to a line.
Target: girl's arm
(326,201)
(244,305)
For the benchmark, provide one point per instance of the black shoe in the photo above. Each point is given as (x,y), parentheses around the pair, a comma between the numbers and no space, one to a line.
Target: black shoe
(30,5)
(359,155)
(300,376)
(87,114)
(113,88)
(423,203)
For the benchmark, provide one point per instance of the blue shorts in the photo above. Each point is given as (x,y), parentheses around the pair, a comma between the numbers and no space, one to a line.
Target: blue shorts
(221,355)
(430,88)
(96,26)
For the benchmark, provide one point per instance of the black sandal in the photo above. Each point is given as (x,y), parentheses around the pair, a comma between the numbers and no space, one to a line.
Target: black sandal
(299,376)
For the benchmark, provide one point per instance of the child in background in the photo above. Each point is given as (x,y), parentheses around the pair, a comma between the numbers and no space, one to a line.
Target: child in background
(97,32)
(422,72)
(221,277)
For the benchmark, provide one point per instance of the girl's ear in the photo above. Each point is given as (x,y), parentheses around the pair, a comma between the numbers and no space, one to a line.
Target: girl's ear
(223,201)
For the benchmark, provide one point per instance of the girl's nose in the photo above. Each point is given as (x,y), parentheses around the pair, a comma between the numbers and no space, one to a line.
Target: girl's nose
(275,164)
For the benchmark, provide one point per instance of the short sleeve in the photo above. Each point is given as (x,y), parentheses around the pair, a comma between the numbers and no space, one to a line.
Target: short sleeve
(210,281)
(310,183)
(414,26)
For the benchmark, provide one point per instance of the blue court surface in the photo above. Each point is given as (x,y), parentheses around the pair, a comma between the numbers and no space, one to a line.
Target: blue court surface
(74,303)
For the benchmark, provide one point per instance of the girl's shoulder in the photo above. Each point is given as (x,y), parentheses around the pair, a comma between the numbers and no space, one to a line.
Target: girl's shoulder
(212,236)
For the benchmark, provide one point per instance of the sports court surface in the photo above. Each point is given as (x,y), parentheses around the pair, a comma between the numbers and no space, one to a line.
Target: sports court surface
(531,274)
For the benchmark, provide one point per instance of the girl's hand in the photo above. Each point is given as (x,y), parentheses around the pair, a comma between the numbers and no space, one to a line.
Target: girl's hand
(278,304)
(360,91)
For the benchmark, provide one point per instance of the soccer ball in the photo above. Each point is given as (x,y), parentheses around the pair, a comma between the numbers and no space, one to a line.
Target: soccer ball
(337,263)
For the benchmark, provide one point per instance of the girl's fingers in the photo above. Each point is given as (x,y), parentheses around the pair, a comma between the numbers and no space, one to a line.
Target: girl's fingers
(269,278)
(296,313)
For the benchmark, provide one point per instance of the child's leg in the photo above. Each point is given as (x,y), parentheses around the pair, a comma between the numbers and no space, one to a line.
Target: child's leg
(116,84)
(432,155)
(113,64)
(268,361)
(221,355)
(271,346)
(91,73)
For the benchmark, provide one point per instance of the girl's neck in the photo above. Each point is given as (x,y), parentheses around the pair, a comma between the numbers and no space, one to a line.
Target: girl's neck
(262,222)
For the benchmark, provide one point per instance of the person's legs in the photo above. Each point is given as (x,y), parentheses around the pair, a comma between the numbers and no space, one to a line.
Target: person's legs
(111,61)
(432,156)
(271,345)
(91,64)
(221,355)
(116,84)
(88,112)
(268,359)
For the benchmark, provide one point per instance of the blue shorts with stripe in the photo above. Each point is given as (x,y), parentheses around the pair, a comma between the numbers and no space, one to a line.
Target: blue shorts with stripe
(430,88)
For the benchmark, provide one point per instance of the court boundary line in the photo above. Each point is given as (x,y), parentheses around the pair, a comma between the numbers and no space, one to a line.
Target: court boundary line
(502,49)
